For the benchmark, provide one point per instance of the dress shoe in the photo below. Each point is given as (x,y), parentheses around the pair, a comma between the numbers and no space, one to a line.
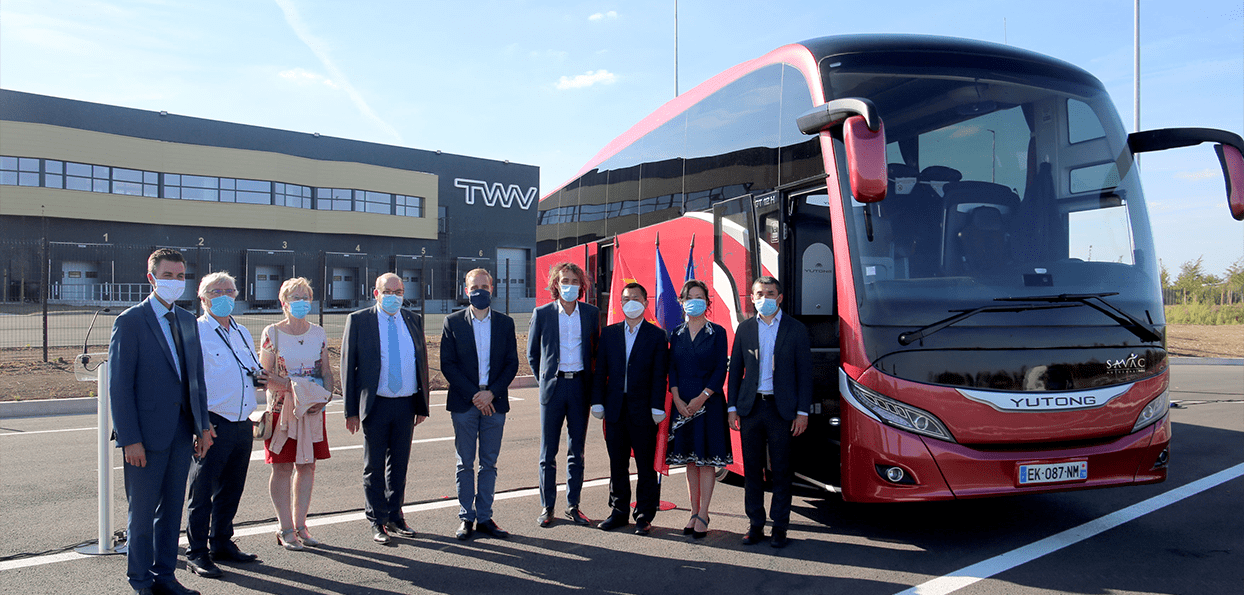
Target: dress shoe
(573,513)
(489,527)
(231,553)
(754,535)
(204,567)
(779,539)
(613,522)
(143,591)
(171,588)
(465,530)
(546,518)
(643,527)
(399,527)
(379,535)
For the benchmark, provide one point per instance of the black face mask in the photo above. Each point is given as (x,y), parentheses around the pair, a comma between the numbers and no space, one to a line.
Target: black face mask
(481,299)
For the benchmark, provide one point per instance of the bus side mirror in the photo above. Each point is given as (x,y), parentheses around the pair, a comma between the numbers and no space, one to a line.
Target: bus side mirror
(865,159)
(1230,149)
(1233,170)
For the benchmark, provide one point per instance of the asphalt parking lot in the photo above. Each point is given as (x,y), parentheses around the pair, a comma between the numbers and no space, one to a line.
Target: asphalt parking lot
(1182,536)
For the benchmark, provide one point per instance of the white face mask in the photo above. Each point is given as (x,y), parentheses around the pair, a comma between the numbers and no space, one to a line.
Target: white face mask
(169,289)
(633,309)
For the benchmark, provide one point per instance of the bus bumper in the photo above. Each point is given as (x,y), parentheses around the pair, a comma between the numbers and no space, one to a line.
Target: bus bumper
(937,470)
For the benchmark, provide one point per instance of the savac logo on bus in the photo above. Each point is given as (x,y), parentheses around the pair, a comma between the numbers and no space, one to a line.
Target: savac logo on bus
(496,193)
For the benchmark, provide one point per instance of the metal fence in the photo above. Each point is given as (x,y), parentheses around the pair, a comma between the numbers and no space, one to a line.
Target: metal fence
(46,311)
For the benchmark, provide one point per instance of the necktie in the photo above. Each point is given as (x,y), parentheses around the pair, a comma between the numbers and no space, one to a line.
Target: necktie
(395,358)
(180,342)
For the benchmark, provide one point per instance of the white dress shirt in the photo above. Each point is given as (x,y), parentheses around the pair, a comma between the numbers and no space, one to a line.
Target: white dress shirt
(570,334)
(483,342)
(406,351)
(230,390)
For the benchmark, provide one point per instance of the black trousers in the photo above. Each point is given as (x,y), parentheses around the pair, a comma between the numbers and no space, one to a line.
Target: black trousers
(633,431)
(216,483)
(387,432)
(764,430)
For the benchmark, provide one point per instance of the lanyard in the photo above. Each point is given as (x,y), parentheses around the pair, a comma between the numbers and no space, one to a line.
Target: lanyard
(250,372)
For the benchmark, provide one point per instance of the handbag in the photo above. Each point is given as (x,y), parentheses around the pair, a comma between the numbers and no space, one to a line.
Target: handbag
(262,426)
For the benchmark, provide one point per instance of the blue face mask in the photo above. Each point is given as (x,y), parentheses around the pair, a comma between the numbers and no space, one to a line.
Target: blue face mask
(694,307)
(570,293)
(299,309)
(391,303)
(222,306)
(481,299)
(766,306)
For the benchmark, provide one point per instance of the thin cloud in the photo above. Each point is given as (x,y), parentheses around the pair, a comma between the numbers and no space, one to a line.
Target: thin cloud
(300,76)
(1205,174)
(587,79)
(600,16)
(336,76)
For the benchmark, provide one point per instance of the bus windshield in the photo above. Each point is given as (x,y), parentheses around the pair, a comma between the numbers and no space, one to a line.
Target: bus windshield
(1000,187)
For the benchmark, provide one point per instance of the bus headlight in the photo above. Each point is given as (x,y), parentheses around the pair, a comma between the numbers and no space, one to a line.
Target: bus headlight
(1153,411)
(899,414)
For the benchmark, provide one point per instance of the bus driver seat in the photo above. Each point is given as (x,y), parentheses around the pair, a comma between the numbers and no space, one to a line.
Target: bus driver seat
(983,245)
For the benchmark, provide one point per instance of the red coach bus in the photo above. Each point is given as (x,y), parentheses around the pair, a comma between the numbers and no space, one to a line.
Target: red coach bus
(959,224)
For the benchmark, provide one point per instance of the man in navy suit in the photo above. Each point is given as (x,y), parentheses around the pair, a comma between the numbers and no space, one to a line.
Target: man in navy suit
(629,395)
(384,375)
(159,417)
(479,358)
(769,404)
(561,348)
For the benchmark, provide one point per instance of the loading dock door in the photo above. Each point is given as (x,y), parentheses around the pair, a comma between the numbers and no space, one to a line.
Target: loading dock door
(78,280)
(344,286)
(511,283)
(267,283)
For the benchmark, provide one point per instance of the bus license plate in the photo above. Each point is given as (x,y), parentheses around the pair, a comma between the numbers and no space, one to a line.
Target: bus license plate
(1053,473)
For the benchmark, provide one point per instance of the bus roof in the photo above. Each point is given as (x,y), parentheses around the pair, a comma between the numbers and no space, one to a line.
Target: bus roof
(810,53)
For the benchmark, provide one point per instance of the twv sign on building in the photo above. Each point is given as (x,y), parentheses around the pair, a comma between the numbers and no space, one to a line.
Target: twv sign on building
(496,193)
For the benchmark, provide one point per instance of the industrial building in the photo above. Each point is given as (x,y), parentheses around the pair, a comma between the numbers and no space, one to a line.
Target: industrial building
(89,190)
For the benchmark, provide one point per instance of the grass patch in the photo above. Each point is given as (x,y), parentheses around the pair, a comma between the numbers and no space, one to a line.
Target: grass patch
(1207,314)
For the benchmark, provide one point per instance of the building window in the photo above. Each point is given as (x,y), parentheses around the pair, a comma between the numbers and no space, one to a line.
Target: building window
(254,192)
(366,201)
(441,219)
(334,199)
(293,195)
(53,174)
(133,182)
(205,188)
(409,206)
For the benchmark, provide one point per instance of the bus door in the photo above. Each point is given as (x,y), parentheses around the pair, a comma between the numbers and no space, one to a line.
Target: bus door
(798,229)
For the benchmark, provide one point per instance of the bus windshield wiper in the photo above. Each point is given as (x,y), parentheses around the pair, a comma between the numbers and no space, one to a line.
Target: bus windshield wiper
(1095,301)
(910,337)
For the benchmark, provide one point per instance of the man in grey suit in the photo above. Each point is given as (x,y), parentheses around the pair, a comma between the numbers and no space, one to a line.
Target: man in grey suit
(769,404)
(384,375)
(479,358)
(561,348)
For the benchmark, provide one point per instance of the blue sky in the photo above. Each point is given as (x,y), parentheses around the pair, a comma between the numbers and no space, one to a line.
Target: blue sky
(551,83)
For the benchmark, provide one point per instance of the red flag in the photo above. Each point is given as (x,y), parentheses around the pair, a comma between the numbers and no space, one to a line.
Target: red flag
(621,277)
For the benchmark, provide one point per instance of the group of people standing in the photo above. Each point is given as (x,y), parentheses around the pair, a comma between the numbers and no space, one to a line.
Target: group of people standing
(621,375)
(183,392)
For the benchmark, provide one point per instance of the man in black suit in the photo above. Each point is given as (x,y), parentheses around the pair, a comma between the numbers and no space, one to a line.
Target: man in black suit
(561,348)
(384,368)
(629,395)
(769,404)
(479,358)
(159,418)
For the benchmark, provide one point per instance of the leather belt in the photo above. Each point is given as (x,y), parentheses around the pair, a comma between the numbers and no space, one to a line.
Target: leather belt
(764,396)
(570,374)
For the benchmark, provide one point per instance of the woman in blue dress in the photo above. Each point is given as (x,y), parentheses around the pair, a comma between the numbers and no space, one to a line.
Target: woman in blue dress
(699,436)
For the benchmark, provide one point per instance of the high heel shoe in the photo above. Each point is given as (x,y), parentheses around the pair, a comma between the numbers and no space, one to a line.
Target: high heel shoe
(701,534)
(306,538)
(289,540)
(689,529)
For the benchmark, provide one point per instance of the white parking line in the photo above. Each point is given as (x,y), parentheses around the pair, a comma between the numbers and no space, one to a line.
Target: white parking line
(47,431)
(1003,562)
(315,522)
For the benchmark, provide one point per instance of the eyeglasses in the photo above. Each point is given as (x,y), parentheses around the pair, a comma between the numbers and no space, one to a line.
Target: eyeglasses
(299,298)
(396,292)
(220,292)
